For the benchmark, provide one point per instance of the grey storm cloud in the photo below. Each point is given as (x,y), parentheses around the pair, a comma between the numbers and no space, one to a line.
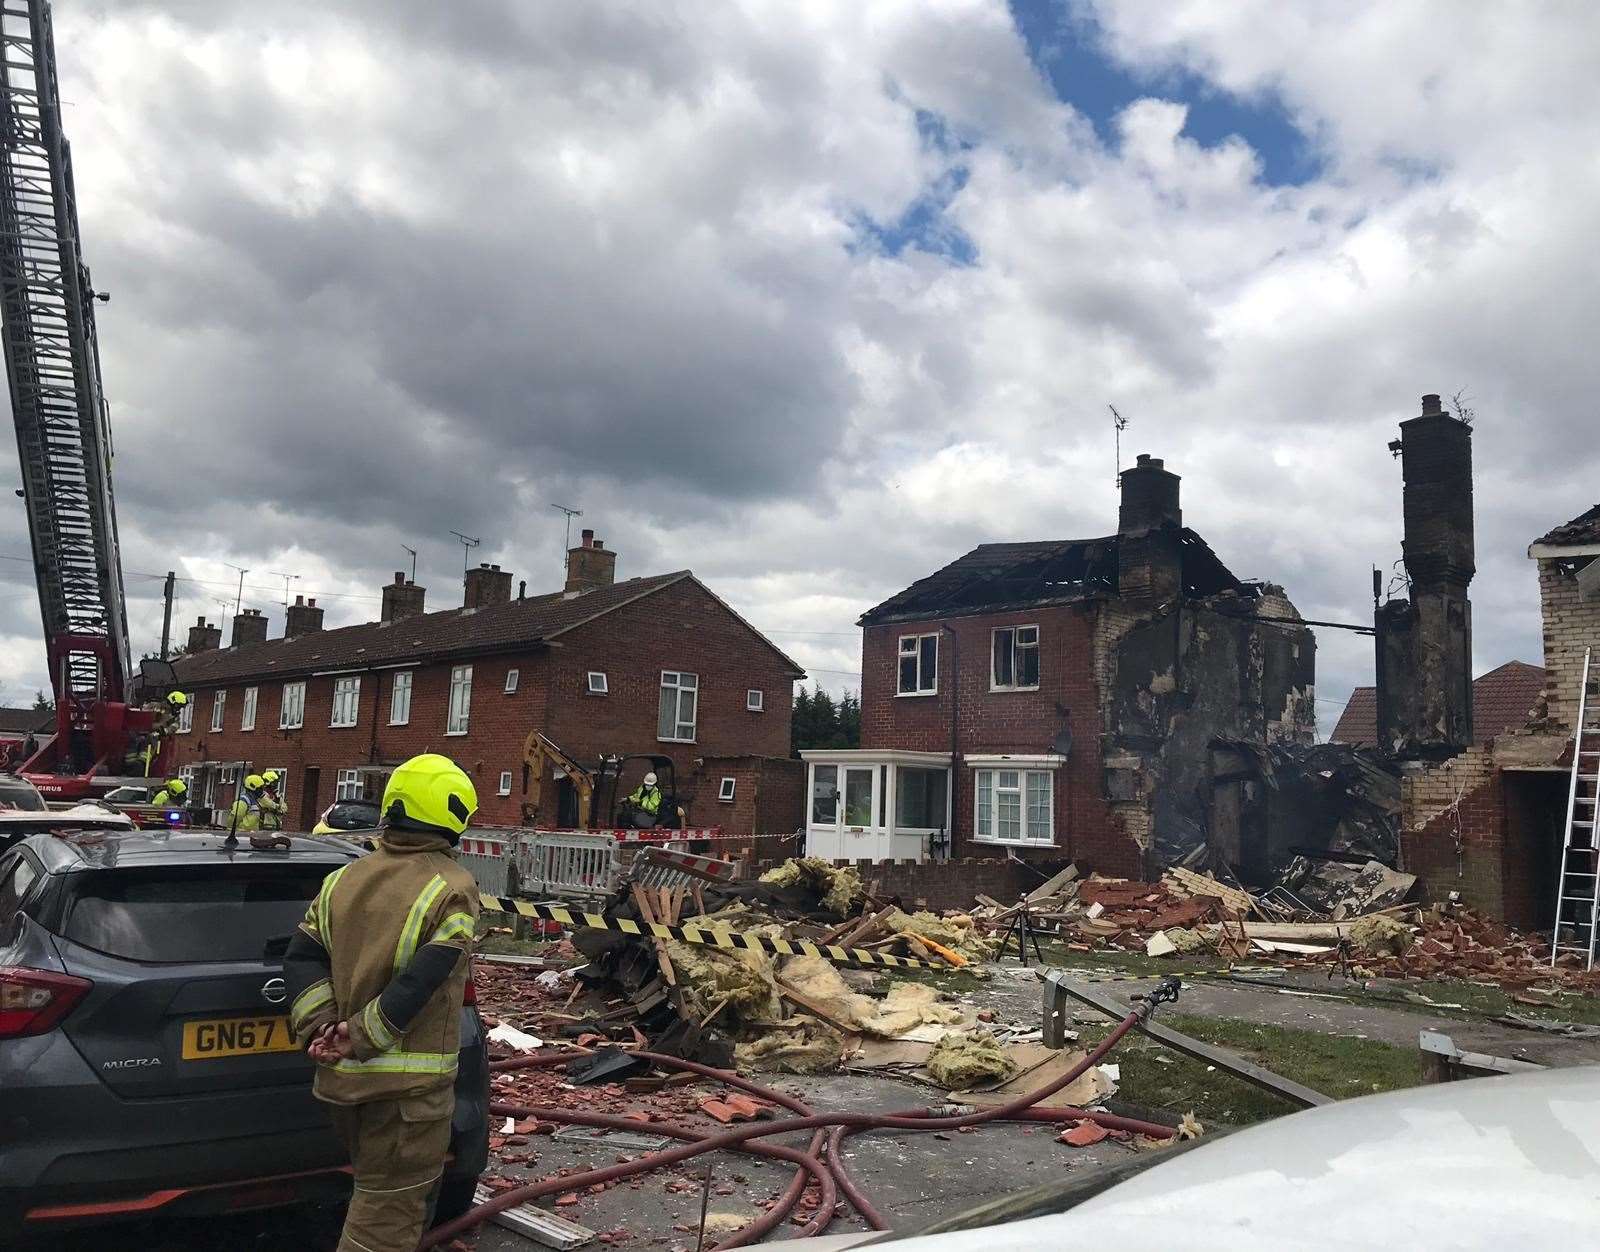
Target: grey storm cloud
(381,271)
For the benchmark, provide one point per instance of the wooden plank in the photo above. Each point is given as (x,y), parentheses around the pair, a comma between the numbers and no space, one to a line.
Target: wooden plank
(642,903)
(1052,886)
(1255,1075)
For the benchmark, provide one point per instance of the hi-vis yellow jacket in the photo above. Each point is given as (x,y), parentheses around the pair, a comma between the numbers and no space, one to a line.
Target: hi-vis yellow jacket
(384,946)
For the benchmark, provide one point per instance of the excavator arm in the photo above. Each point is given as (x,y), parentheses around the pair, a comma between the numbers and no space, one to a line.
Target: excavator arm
(540,759)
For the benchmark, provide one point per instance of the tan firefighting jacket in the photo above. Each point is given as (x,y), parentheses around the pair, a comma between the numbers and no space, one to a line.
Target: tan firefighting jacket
(396,928)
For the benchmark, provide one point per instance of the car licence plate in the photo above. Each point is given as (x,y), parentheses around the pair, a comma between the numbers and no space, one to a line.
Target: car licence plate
(235,1036)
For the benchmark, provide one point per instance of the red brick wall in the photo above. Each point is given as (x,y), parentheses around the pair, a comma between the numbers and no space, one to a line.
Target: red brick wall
(680,628)
(1463,848)
(1005,721)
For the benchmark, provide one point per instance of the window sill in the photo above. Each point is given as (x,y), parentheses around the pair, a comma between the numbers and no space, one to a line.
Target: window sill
(407,722)
(341,725)
(1007,690)
(660,739)
(456,734)
(1014,843)
(296,726)
(914,695)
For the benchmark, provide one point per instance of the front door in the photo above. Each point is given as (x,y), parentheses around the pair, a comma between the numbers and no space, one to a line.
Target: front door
(844,801)
(309,810)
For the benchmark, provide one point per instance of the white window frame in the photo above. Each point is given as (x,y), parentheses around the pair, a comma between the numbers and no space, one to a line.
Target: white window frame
(292,703)
(400,714)
(1027,837)
(513,677)
(994,635)
(219,709)
(600,688)
(681,689)
(755,700)
(725,790)
(458,712)
(902,652)
(348,785)
(247,713)
(186,718)
(504,789)
(346,701)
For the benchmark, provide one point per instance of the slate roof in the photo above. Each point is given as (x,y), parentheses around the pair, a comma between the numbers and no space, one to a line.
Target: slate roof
(429,636)
(995,576)
(1501,701)
(21,721)
(1581,530)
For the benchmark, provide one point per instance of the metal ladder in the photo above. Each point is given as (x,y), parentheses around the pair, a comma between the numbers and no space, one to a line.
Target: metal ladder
(1578,886)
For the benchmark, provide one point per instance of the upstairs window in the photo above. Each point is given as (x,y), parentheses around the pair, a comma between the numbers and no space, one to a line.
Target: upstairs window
(919,665)
(292,712)
(400,699)
(680,696)
(1016,659)
(512,678)
(597,683)
(218,703)
(346,700)
(186,718)
(247,716)
(460,700)
(755,699)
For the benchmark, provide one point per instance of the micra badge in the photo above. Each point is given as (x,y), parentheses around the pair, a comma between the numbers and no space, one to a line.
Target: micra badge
(132,1062)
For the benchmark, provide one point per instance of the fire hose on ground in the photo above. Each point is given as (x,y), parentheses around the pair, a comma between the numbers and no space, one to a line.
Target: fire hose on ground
(829,1130)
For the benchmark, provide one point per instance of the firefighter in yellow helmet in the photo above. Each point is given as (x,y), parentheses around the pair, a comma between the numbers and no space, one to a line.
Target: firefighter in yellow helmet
(245,813)
(376,975)
(270,802)
(174,795)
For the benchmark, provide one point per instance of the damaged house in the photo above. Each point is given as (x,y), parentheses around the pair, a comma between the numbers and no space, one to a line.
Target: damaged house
(1059,699)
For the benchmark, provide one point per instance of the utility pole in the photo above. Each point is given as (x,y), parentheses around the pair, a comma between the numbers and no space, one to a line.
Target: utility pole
(413,552)
(166,614)
(468,543)
(571,513)
(238,601)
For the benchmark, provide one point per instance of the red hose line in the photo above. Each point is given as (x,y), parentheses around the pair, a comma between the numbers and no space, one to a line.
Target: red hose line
(734,1137)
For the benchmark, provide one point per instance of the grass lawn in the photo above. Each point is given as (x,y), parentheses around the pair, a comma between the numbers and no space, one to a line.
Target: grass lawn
(1157,1077)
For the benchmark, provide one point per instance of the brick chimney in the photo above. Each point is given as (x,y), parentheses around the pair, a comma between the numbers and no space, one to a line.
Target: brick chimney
(1424,642)
(590,565)
(488,584)
(402,598)
(203,638)
(1149,557)
(249,627)
(303,617)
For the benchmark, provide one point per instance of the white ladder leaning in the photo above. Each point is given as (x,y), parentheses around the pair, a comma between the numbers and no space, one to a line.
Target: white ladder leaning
(1578,884)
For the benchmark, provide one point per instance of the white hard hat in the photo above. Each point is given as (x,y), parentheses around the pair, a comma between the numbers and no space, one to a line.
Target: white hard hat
(650,779)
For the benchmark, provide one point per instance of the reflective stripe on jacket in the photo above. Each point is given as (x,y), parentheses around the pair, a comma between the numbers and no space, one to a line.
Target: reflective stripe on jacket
(647,798)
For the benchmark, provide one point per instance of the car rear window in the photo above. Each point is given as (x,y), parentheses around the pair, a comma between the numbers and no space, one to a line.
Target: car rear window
(21,795)
(354,816)
(199,913)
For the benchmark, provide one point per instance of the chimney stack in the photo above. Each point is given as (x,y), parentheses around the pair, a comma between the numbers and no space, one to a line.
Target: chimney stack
(488,584)
(590,565)
(249,627)
(203,638)
(303,617)
(1424,643)
(402,599)
(1149,556)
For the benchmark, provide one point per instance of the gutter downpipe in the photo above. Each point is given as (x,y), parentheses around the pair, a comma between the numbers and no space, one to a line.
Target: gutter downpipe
(955,736)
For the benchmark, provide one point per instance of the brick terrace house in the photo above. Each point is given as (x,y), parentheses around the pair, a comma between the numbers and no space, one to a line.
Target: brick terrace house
(650,665)
(1059,699)
(1489,822)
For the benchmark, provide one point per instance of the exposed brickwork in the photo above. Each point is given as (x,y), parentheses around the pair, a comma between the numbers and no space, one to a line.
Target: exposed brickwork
(1005,722)
(1453,832)
(1571,624)
(940,885)
(681,627)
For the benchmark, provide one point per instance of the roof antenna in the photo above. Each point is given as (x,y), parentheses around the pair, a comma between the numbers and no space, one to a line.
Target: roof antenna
(1121,424)
(413,552)
(468,543)
(571,513)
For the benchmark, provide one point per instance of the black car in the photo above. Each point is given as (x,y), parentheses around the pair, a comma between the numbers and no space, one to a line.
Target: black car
(145,1057)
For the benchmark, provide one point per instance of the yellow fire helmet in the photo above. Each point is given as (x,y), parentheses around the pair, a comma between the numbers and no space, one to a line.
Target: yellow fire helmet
(430,792)
(270,778)
(177,699)
(176,786)
(254,782)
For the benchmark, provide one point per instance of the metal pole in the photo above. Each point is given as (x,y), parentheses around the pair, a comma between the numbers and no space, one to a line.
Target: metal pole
(166,615)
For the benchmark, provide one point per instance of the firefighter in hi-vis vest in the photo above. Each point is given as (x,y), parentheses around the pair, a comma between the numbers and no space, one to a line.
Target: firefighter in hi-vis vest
(377,972)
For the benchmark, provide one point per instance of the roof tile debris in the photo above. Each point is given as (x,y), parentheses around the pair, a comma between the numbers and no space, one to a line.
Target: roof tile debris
(1581,530)
(1502,699)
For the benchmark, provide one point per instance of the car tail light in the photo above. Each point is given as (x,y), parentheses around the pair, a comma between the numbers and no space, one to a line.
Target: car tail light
(33,1001)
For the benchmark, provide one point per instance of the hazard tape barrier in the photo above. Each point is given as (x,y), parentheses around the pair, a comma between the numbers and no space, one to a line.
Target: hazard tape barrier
(728,940)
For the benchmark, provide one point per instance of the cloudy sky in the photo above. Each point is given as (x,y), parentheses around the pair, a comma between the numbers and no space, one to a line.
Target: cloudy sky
(812,297)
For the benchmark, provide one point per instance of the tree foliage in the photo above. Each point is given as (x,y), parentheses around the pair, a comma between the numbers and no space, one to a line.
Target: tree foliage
(821,722)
